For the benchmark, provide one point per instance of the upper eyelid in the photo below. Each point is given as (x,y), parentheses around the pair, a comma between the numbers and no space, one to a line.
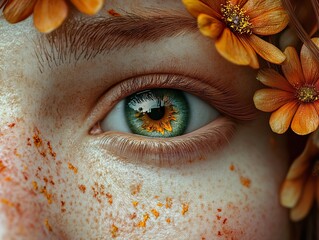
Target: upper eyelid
(225,101)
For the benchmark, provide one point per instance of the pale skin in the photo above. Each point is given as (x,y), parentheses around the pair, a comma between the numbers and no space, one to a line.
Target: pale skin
(58,183)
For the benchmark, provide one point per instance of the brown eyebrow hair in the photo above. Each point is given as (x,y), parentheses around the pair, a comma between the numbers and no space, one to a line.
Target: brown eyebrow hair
(87,37)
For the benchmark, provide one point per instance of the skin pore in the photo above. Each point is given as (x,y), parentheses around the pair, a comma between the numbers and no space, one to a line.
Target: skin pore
(57,181)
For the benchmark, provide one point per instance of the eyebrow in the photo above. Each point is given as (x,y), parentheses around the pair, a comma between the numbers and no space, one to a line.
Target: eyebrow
(88,37)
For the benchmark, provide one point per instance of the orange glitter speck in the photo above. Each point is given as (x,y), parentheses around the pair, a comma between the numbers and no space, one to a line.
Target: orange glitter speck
(135,203)
(245,181)
(71,167)
(185,207)
(114,231)
(155,213)
(48,226)
(232,167)
(160,204)
(6,202)
(82,188)
(168,220)
(46,194)
(143,222)
(169,202)
(35,186)
(113,13)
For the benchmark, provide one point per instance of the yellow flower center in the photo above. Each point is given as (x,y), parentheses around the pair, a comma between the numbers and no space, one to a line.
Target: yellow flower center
(307,94)
(235,18)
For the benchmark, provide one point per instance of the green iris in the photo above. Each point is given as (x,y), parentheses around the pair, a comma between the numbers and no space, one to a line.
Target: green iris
(157,112)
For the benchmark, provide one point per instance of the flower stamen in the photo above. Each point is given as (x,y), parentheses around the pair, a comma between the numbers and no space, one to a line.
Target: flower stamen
(235,18)
(307,94)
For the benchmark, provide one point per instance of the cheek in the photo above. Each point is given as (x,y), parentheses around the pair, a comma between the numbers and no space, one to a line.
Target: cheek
(31,174)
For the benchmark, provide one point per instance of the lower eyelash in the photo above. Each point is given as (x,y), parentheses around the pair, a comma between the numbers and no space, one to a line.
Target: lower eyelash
(169,151)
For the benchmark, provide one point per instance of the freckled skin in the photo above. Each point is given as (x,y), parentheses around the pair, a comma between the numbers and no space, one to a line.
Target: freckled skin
(56,184)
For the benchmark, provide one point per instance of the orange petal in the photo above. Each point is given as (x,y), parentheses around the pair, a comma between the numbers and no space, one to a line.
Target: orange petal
(209,26)
(196,7)
(310,65)
(270,22)
(229,46)
(307,198)
(49,14)
(88,6)
(280,120)
(253,56)
(272,78)
(291,191)
(266,50)
(303,161)
(292,68)
(306,119)
(269,100)
(17,10)
(256,8)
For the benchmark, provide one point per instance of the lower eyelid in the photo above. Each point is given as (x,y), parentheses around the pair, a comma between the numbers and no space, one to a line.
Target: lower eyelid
(166,152)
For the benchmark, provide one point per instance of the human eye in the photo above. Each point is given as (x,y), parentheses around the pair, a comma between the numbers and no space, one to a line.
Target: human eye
(159,112)
(166,119)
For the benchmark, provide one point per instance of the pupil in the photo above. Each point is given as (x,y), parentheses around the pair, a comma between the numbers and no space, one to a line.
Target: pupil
(156,113)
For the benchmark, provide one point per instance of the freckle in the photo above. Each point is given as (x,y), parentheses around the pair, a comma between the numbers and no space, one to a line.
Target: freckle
(231,167)
(219,209)
(11,125)
(114,231)
(15,151)
(29,142)
(135,203)
(155,213)
(48,226)
(245,181)
(218,217)
(2,167)
(143,222)
(135,189)
(53,154)
(71,167)
(185,208)
(219,233)
(82,188)
(36,139)
(133,216)
(110,198)
(169,202)
(225,220)
(168,220)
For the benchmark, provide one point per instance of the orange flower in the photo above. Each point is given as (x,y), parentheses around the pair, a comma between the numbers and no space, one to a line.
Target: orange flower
(294,99)
(48,14)
(301,186)
(235,24)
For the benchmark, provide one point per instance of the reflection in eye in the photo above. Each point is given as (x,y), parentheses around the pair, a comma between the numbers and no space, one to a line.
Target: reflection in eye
(159,113)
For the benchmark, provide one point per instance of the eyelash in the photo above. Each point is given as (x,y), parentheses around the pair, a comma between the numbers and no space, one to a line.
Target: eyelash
(176,150)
